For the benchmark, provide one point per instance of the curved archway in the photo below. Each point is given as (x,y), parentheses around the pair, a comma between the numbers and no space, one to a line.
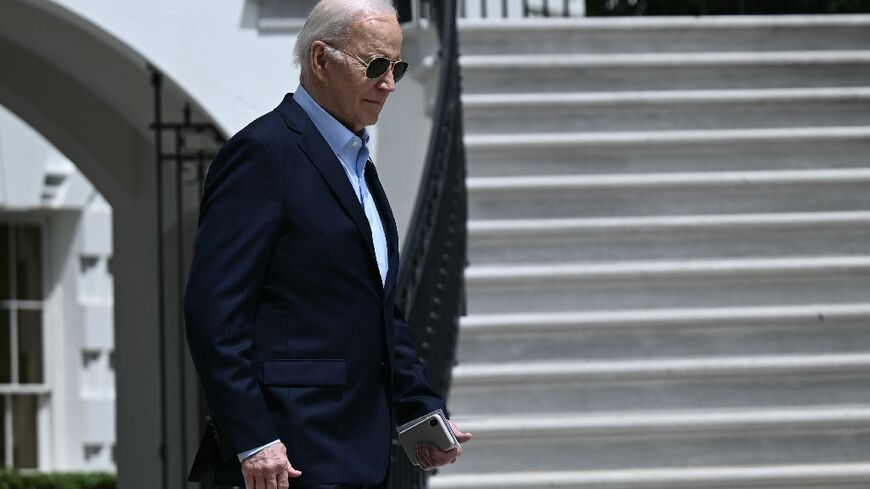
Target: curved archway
(90,96)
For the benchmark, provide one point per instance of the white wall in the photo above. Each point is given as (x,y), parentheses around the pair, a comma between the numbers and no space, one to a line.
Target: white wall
(39,183)
(213,50)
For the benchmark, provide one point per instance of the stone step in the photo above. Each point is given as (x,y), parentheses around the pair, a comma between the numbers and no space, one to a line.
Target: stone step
(666,110)
(772,436)
(667,284)
(607,335)
(667,151)
(665,34)
(581,385)
(663,71)
(515,241)
(564,196)
(810,476)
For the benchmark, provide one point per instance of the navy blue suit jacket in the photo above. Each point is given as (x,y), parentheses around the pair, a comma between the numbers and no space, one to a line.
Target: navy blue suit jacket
(292,332)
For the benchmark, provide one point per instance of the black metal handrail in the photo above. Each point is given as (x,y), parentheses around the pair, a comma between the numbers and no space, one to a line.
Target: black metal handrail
(724,7)
(431,285)
(490,9)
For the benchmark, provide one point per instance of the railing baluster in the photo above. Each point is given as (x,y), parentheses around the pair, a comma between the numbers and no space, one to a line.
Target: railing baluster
(483,9)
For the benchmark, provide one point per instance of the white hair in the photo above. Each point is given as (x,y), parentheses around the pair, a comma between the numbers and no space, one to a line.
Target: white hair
(331,21)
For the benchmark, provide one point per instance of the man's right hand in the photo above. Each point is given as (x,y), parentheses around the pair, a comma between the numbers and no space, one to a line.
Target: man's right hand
(269,469)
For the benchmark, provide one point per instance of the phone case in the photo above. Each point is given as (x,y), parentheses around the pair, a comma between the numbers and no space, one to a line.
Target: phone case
(432,428)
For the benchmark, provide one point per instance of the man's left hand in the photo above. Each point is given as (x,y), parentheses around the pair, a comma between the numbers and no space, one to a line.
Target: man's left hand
(430,457)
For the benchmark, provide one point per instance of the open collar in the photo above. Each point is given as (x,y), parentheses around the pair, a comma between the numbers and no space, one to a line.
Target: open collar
(343,142)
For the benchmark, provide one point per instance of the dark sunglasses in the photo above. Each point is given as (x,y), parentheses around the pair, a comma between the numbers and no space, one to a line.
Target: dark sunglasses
(377,66)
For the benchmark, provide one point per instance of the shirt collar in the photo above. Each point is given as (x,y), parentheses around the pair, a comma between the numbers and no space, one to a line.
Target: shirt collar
(344,143)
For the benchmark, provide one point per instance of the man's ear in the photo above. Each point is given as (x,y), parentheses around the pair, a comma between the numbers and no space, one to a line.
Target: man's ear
(318,60)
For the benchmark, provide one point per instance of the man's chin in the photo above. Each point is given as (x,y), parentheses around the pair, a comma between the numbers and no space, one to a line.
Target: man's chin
(372,119)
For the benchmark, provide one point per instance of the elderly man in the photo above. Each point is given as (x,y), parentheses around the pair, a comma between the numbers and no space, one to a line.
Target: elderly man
(289,307)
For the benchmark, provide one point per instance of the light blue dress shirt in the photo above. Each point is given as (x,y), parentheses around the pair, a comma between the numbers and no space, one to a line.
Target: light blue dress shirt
(353,154)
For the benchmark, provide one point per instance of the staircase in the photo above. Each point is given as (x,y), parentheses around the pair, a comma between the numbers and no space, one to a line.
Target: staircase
(670,254)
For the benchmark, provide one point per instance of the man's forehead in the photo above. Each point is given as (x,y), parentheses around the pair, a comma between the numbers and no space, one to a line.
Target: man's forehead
(377,35)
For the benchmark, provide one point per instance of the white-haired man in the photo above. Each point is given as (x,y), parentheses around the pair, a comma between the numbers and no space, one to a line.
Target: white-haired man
(289,307)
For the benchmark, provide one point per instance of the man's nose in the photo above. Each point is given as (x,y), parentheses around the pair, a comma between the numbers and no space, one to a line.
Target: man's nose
(387,82)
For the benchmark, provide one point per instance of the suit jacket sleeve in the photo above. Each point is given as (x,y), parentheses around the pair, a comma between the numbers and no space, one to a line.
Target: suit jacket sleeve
(240,218)
(413,396)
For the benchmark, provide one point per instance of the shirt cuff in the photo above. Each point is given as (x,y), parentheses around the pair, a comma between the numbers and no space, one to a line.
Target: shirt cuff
(248,453)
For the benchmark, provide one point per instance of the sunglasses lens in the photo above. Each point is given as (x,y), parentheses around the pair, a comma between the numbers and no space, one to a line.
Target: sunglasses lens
(377,67)
(399,70)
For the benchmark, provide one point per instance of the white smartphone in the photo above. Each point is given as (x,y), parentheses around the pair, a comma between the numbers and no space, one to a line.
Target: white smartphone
(432,428)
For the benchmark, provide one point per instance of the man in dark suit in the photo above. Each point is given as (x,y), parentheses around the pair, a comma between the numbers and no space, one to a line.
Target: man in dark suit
(289,307)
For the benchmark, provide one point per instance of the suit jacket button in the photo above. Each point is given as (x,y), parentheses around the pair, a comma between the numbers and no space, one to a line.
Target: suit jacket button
(385,368)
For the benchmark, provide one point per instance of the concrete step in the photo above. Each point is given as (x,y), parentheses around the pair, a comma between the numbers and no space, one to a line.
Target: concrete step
(665,34)
(666,110)
(722,332)
(657,298)
(815,476)
(571,196)
(582,385)
(515,241)
(663,71)
(667,284)
(667,151)
(773,436)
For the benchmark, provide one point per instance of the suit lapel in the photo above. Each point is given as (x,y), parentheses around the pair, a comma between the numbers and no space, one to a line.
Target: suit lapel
(389,223)
(320,154)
